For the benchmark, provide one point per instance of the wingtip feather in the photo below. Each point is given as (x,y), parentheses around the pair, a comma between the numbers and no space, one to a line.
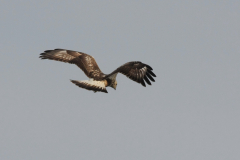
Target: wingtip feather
(147,80)
(143,83)
(150,68)
(149,71)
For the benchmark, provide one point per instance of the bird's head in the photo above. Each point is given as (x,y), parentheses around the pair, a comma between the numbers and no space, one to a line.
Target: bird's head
(113,81)
(114,84)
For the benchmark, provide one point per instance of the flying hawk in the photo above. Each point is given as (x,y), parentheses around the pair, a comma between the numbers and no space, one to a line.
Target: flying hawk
(98,81)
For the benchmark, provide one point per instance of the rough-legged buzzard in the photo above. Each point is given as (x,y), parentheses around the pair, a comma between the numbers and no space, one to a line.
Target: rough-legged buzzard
(136,71)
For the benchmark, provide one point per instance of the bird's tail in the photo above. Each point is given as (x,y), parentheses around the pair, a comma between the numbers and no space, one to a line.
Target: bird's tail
(96,86)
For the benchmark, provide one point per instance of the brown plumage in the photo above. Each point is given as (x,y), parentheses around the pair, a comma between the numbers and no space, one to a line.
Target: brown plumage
(136,71)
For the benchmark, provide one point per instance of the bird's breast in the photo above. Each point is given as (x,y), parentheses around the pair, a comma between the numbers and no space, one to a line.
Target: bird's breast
(106,83)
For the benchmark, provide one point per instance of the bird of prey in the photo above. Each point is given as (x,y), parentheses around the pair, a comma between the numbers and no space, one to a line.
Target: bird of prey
(98,81)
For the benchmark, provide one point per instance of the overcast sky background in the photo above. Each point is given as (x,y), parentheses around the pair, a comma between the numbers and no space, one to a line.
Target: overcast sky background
(191,112)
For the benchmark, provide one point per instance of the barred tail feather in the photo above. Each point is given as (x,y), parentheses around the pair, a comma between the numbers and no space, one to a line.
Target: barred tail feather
(96,86)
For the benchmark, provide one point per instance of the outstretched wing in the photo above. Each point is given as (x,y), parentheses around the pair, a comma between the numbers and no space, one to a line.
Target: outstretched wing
(84,61)
(136,71)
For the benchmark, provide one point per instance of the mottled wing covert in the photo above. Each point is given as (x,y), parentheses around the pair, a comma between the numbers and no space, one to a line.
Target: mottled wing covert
(84,61)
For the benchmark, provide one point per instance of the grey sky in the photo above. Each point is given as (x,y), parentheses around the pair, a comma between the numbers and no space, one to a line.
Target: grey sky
(191,112)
